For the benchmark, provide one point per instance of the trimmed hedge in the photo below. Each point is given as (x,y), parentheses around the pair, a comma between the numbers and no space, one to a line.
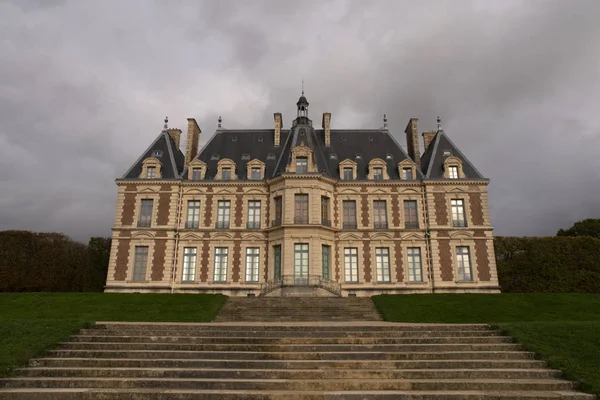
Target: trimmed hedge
(548,264)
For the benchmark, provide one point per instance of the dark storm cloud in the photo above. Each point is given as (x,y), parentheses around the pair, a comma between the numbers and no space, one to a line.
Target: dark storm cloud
(84,87)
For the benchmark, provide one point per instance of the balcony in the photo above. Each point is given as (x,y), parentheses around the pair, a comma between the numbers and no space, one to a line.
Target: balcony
(411,225)
(253,225)
(301,220)
(276,222)
(222,225)
(461,223)
(192,224)
(380,225)
(144,224)
(349,225)
(325,222)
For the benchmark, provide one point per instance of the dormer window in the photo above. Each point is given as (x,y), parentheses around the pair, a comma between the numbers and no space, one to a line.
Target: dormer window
(196,170)
(378,170)
(196,174)
(226,174)
(407,170)
(255,174)
(245,156)
(157,153)
(151,173)
(301,165)
(271,156)
(453,172)
(453,168)
(151,168)
(407,173)
(378,173)
(348,174)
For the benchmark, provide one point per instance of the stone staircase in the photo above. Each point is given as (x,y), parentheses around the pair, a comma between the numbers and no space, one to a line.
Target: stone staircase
(354,360)
(298,309)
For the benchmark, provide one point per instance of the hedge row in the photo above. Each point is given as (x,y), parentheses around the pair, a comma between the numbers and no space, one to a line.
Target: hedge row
(51,262)
(548,264)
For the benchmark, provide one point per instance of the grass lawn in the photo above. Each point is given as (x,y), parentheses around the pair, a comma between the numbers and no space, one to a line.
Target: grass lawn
(564,329)
(33,322)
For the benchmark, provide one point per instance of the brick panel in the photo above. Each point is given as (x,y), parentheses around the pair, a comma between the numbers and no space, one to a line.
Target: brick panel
(395,210)
(479,233)
(337,264)
(236,259)
(483,265)
(158,262)
(364,200)
(399,261)
(208,208)
(335,211)
(445,260)
(367,257)
(441,211)
(164,206)
(122,259)
(476,208)
(128,209)
(239,207)
(205,258)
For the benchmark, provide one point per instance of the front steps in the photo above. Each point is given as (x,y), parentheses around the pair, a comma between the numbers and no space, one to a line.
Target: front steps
(288,361)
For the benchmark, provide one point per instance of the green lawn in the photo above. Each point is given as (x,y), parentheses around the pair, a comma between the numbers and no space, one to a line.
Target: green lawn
(33,322)
(564,329)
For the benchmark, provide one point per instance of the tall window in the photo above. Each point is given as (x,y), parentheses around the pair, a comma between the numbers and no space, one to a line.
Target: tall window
(151,172)
(301,165)
(301,263)
(415,269)
(463,261)
(378,174)
(382,264)
(223,214)
(193,214)
(220,273)
(145,219)
(226,174)
(254,214)
(348,174)
(349,214)
(139,263)
(325,218)
(410,214)
(189,264)
(255,174)
(407,174)
(458,213)
(252,261)
(196,174)
(453,172)
(301,209)
(278,211)
(277,262)
(379,209)
(351,264)
(325,257)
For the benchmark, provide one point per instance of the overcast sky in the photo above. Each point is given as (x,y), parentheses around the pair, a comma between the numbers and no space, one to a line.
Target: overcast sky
(85,86)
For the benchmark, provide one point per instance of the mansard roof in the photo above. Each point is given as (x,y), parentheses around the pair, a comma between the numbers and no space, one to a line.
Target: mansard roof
(172,158)
(440,148)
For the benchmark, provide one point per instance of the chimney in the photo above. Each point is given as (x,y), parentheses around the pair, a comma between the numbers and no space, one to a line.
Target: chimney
(192,140)
(277,138)
(412,141)
(326,127)
(427,138)
(175,135)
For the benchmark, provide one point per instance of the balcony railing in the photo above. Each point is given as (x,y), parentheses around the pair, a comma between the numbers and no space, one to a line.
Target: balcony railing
(192,224)
(253,225)
(301,220)
(276,222)
(411,225)
(461,223)
(144,224)
(349,225)
(222,225)
(380,225)
(325,222)
(306,280)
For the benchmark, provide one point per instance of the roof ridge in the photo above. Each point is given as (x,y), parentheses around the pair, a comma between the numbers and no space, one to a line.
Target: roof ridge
(436,140)
(170,143)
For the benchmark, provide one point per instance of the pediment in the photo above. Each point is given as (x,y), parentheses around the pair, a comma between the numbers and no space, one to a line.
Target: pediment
(413,236)
(350,236)
(197,163)
(461,235)
(382,236)
(256,162)
(410,190)
(252,236)
(194,191)
(149,190)
(348,191)
(349,162)
(255,191)
(224,191)
(143,235)
(190,236)
(221,236)
(380,191)
(457,190)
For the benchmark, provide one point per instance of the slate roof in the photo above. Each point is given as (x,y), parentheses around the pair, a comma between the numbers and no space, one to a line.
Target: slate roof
(432,161)
(172,158)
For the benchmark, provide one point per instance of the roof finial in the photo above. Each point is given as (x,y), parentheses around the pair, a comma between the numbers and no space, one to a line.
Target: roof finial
(166,123)
(302,86)
(385,120)
(439,121)
(219,120)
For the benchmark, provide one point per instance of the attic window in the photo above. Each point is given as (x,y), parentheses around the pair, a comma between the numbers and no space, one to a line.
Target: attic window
(214,157)
(234,139)
(245,156)
(388,156)
(370,138)
(260,139)
(302,132)
(333,156)
(157,153)
(358,156)
(447,153)
(271,156)
(343,138)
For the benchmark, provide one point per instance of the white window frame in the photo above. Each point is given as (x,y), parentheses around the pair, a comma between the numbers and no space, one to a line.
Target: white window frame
(377,173)
(188,272)
(223,214)
(226,173)
(453,172)
(415,264)
(459,218)
(146,213)
(254,208)
(351,264)
(252,264)
(463,264)
(140,264)
(301,262)
(151,172)
(255,173)
(380,219)
(346,176)
(193,214)
(405,171)
(196,173)
(220,264)
(301,165)
(382,264)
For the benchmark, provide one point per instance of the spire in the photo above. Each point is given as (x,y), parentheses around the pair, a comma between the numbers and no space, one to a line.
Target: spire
(439,122)
(385,120)
(302,104)
(220,120)
(302,86)
(166,126)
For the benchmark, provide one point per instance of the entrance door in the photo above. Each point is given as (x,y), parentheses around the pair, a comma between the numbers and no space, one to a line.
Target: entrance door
(301,264)
(277,262)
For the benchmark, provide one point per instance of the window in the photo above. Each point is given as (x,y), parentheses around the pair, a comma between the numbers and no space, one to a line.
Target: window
(226,174)
(277,262)
(348,174)
(325,256)
(301,209)
(278,211)
(407,173)
(245,156)
(351,264)
(458,213)
(193,214)
(139,263)
(382,264)
(446,153)
(379,209)
(301,263)
(453,172)
(410,215)
(252,261)
(415,271)
(189,264)
(271,156)
(254,214)
(325,219)
(349,214)
(157,153)
(255,174)
(223,214)
(196,174)
(378,174)
(145,219)
(151,172)
(463,261)
(220,273)
(215,157)
(333,156)
(301,165)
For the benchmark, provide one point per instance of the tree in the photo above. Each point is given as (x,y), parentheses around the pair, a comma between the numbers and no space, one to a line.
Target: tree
(587,227)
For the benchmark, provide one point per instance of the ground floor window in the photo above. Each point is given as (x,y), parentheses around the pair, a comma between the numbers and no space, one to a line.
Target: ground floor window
(463,261)
(139,263)
(220,273)
(252,261)
(277,262)
(301,263)
(382,263)
(326,252)
(351,264)
(415,270)
(189,264)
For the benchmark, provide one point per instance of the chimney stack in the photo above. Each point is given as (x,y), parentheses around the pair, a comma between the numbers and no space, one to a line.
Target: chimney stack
(175,135)
(427,138)
(412,141)
(326,123)
(192,140)
(278,123)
